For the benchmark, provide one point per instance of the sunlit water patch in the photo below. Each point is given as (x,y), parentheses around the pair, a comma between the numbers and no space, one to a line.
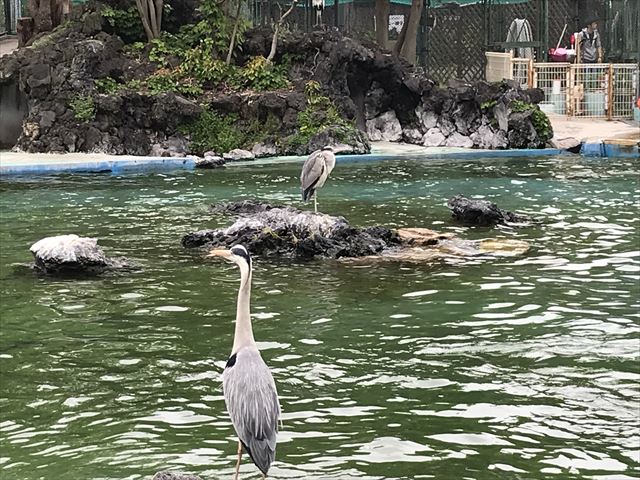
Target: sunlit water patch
(522,367)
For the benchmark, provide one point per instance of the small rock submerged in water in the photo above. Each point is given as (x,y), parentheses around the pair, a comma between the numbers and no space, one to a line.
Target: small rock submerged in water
(481,212)
(71,254)
(174,476)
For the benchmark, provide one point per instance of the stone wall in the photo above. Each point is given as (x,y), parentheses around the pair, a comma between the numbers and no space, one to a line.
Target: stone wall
(383,95)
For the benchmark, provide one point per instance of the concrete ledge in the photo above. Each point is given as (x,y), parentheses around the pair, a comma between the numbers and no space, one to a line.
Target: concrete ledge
(613,150)
(16,163)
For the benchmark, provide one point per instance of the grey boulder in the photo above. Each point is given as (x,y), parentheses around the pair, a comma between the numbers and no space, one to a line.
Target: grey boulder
(385,127)
(433,138)
(458,140)
(71,254)
(238,154)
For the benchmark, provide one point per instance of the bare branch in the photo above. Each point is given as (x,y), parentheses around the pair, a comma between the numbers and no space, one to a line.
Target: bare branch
(274,41)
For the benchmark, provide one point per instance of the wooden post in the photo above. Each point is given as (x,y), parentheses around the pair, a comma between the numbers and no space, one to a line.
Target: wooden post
(530,75)
(567,98)
(25,30)
(610,93)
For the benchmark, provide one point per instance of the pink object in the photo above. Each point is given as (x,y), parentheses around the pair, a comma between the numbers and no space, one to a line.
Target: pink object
(558,54)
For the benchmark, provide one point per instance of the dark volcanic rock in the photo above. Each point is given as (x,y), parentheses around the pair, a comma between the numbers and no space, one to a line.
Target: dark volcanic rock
(380,93)
(342,140)
(267,230)
(244,207)
(481,212)
(71,254)
(210,161)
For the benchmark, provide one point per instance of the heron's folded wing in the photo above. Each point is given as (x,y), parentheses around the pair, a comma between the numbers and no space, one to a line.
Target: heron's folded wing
(252,402)
(312,170)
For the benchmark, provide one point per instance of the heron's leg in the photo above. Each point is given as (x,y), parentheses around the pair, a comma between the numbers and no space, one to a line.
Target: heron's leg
(315,201)
(239,457)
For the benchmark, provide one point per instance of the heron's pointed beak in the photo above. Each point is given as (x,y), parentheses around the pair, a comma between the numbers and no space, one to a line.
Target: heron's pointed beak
(219,252)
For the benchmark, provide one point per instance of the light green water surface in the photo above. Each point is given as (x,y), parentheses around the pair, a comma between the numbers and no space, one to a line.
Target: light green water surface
(504,368)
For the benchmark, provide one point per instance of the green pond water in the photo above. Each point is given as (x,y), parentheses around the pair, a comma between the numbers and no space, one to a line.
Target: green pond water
(489,368)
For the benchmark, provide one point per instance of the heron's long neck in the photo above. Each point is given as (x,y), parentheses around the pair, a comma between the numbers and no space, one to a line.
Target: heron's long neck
(244,333)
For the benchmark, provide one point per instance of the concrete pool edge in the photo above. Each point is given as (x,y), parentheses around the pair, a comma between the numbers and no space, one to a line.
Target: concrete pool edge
(20,163)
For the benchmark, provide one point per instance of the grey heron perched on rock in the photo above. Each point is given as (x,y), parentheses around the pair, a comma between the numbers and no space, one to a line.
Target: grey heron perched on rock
(318,6)
(315,171)
(249,389)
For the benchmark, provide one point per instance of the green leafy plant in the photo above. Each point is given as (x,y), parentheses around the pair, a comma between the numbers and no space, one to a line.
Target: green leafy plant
(162,47)
(539,119)
(124,23)
(134,84)
(488,105)
(199,63)
(320,114)
(312,90)
(212,24)
(260,74)
(257,130)
(165,80)
(83,107)
(134,50)
(214,131)
(107,85)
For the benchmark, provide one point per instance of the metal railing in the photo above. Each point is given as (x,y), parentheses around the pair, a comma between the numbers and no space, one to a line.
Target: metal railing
(553,80)
(522,71)
(600,90)
(624,87)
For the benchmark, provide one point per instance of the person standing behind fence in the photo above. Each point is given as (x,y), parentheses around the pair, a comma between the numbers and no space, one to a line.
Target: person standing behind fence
(590,44)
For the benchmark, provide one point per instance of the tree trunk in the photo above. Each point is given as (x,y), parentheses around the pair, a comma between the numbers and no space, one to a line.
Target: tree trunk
(382,22)
(274,40)
(408,50)
(401,36)
(234,33)
(24,29)
(45,15)
(150,12)
(407,40)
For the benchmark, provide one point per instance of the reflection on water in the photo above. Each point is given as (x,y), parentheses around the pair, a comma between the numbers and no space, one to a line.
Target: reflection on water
(522,367)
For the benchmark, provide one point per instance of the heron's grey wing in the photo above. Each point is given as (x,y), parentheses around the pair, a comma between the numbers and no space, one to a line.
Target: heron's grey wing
(252,402)
(312,171)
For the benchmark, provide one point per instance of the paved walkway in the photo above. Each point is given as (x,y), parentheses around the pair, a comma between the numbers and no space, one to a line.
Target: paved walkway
(8,45)
(593,130)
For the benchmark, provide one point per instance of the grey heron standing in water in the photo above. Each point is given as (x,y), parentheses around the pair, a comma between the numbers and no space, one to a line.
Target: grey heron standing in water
(315,171)
(249,389)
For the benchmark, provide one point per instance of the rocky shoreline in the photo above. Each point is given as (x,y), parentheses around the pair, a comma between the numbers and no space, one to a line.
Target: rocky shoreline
(376,96)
